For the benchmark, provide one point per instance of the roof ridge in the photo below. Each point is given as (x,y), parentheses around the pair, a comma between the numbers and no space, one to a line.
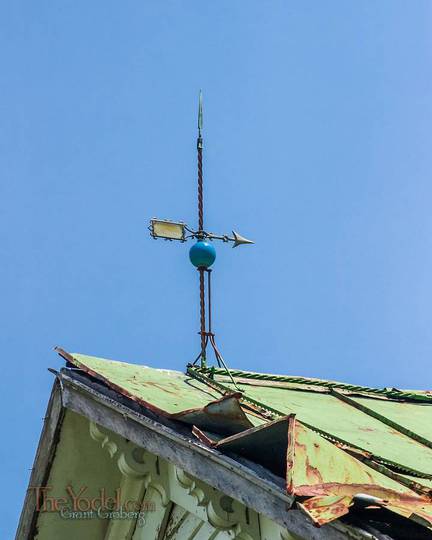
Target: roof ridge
(388,392)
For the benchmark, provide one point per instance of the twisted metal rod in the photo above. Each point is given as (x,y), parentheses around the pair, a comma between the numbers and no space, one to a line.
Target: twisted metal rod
(201,271)
(200,186)
(209,300)
(202,317)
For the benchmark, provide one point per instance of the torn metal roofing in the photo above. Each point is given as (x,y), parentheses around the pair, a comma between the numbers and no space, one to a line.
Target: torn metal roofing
(340,448)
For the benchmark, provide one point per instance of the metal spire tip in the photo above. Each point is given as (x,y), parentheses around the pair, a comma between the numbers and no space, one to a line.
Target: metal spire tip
(200,114)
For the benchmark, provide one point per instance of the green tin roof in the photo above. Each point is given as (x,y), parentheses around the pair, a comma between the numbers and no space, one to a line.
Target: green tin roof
(166,390)
(379,440)
(335,417)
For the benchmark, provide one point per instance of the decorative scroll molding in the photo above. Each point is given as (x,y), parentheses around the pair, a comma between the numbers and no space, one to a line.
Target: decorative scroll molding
(101,437)
(190,485)
(133,462)
(174,484)
(221,511)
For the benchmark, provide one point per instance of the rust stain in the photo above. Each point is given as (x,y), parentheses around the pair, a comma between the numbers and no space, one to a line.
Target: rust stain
(201,436)
(152,384)
(313,473)
(225,411)
(110,384)
(322,510)
(331,501)
(354,451)
(290,455)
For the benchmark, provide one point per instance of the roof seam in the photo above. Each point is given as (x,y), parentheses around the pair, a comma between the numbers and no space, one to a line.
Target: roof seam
(380,417)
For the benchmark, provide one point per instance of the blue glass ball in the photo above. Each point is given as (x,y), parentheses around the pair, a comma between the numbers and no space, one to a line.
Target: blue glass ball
(202,254)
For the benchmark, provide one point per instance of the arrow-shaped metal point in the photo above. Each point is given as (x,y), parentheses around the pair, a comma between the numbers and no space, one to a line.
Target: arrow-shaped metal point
(239,240)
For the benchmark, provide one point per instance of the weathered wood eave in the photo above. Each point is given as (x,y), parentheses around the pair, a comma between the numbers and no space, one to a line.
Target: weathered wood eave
(45,454)
(219,471)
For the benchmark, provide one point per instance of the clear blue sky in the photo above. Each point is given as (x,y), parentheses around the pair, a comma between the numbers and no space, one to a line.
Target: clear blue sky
(317,145)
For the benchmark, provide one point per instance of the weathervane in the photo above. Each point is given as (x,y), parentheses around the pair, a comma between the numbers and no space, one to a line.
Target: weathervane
(202,254)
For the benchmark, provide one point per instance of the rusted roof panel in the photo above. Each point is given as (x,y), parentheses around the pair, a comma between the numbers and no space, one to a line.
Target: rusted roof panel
(416,417)
(339,447)
(326,508)
(169,393)
(335,481)
(319,467)
(329,478)
(333,416)
(224,415)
